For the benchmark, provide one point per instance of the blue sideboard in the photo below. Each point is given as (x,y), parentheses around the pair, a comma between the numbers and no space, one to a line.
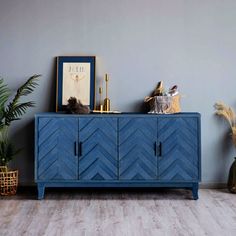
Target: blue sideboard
(118,150)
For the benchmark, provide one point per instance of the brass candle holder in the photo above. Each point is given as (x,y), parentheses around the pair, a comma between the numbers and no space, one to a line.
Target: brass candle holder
(107,102)
(100,98)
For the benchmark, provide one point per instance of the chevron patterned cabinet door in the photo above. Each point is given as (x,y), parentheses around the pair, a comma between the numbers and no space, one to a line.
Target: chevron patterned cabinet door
(137,148)
(98,148)
(178,150)
(57,157)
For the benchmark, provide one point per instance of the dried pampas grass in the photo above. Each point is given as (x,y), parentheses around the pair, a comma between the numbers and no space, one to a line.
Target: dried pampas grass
(234,135)
(228,114)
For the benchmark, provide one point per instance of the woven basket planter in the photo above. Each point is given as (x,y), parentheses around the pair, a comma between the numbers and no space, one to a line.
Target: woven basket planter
(8,181)
(165,104)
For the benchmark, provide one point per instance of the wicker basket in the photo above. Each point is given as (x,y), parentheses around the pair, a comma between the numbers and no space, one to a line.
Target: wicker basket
(165,104)
(175,105)
(8,181)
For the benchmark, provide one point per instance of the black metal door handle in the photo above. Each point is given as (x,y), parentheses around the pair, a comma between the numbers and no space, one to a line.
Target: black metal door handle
(80,148)
(155,148)
(75,148)
(160,149)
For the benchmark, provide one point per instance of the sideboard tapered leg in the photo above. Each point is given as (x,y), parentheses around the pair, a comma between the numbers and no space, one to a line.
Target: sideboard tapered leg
(195,191)
(41,190)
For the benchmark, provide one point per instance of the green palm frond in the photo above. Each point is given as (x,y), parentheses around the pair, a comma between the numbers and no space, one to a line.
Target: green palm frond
(7,152)
(7,148)
(27,88)
(4,94)
(15,109)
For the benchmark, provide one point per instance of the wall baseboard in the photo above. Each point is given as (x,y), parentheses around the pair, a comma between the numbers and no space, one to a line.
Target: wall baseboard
(27,184)
(212,185)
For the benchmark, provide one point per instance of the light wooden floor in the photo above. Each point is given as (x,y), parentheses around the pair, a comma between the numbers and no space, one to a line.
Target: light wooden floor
(139,212)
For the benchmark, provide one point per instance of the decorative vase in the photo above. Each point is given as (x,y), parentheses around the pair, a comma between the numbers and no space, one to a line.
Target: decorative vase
(232,178)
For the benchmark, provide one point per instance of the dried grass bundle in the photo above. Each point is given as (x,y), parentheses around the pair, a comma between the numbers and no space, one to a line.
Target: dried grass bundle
(228,114)
(234,135)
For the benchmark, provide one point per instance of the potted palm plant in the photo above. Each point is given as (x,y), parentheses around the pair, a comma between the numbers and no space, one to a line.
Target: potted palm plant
(11,111)
(229,115)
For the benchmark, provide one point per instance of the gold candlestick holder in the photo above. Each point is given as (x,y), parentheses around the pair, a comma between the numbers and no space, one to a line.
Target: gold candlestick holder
(100,99)
(107,101)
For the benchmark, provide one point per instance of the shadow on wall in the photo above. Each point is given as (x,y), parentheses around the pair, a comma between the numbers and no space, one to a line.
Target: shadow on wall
(23,138)
(52,86)
(226,143)
(139,106)
(223,149)
(22,132)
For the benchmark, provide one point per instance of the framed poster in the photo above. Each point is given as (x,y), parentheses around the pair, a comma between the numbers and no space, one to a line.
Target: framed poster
(75,78)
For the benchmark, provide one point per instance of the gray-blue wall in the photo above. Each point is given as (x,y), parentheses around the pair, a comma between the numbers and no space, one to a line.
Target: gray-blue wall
(191,43)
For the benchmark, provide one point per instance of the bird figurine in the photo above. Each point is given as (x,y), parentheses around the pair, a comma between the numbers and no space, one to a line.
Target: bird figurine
(159,90)
(173,90)
(76,107)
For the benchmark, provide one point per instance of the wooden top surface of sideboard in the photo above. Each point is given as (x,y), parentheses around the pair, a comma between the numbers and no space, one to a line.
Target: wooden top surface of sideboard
(122,114)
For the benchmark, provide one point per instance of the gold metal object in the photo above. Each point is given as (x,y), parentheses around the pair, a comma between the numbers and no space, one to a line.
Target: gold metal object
(159,89)
(107,101)
(100,98)
(98,111)
(100,91)
(107,104)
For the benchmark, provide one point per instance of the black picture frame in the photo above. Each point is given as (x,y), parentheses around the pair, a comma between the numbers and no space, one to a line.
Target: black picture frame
(75,78)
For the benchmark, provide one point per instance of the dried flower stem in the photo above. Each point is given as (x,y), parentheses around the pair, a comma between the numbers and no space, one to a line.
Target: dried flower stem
(228,114)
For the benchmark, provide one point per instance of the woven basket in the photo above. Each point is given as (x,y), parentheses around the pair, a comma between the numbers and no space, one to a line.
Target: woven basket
(8,181)
(165,104)
(175,105)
